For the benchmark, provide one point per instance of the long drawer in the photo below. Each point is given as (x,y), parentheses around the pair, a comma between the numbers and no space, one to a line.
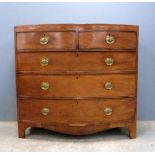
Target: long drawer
(77,86)
(50,62)
(77,112)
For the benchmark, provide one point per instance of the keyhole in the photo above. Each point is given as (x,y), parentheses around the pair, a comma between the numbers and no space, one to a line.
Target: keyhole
(77,54)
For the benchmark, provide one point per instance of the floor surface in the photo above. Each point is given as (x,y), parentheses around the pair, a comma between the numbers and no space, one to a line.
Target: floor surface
(43,140)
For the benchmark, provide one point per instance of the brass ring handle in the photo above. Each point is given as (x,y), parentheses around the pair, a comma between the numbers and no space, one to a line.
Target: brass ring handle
(109,61)
(44,62)
(45,111)
(108,111)
(108,85)
(45,85)
(43,40)
(110,39)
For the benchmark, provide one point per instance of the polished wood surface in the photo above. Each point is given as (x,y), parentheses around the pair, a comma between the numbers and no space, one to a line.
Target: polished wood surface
(71,62)
(75,100)
(76,27)
(57,40)
(95,40)
(73,112)
(79,85)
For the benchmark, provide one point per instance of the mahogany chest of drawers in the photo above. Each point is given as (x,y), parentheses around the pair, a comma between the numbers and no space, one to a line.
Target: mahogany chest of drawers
(76,78)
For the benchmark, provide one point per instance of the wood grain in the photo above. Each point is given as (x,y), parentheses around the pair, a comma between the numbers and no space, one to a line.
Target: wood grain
(77,27)
(72,86)
(57,40)
(65,62)
(76,73)
(77,112)
(97,40)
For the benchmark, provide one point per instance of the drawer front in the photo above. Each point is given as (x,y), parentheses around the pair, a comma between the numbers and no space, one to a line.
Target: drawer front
(77,113)
(107,40)
(71,62)
(46,41)
(77,86)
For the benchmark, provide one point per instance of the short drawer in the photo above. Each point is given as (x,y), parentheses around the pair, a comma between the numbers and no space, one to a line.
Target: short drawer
(46,41)
(77,86)
(107,40)
(68,62)
(77,112)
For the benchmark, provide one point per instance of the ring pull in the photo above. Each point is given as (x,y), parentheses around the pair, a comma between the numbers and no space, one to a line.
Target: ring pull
(108,85)
(45,86)
(108,111)
(44,62)
(44,40)
(110,39)
(109,61)
(45,111)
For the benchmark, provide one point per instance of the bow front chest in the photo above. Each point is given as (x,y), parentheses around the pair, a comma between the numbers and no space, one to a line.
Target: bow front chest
(76,78)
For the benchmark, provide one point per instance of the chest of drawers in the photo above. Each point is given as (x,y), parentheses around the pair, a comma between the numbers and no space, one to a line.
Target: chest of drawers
(76,78)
